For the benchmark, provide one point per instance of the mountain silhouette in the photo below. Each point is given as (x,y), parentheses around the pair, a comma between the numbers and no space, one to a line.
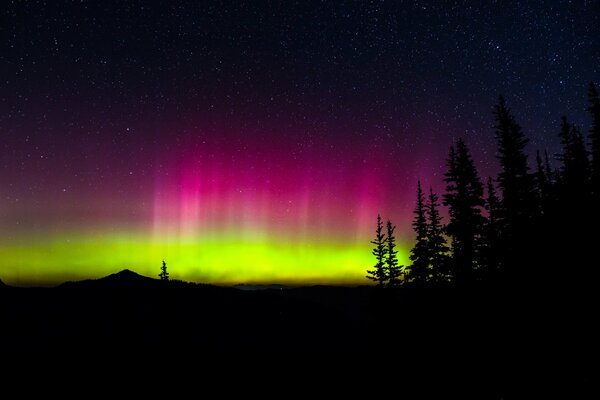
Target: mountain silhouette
(127,277)
(126,311)
(124,278)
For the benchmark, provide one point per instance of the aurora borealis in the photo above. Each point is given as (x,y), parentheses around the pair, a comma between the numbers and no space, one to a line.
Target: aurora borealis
(216,216)
(248,143)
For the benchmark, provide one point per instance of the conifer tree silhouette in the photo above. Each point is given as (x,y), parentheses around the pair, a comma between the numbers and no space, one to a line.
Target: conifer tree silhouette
(566,143)
(548,169)
(437,248)
(519,209)
(544,184)
(378,274)
(591,218)
(515,182)
(492,204)
(575,211)
(393,270)
(464,198)
(594,110)
(575,170)
(580,182)
(419,256)
(581,163)
(164,275)
(541,180)
(492,231)
(548,187)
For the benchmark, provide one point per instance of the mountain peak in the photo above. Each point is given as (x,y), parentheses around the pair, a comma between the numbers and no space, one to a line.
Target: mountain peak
(125,276)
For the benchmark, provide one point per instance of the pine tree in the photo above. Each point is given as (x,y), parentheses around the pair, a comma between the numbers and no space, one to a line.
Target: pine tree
(580,152)
(594,110)
(590,274)
(393,270)
(545,183)
(566,142)
(450,176)
(518,206)
(378,274)
(575,213)
(437,248)
(492,230)
(419,254)
(514,179)
(548,169)
(581,163)
(492,204)
(575,163)
(541,181)
(464,197)
(164,275)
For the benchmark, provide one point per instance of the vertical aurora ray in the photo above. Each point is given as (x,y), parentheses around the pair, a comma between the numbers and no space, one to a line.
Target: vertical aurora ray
(221,215)
(269,219)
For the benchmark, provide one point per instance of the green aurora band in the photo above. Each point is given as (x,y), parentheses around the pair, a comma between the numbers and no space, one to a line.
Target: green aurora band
(47,260)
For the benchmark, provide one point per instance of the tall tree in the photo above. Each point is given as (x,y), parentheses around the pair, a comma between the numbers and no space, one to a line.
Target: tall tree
(575,213)
(437,248)
(548,169)
(545,185)
(575,163)
(565,141)
(591,275)
(492,229)
(581,163)
(378,274)
(565,158)
(419,254)
(518,211)
(594,110)
(541,181)
(393,270)
(492,204)
(164,275)
(514,179)
(580,154)
(464,198)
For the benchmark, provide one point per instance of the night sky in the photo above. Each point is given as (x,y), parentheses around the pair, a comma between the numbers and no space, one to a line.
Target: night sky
(258,142)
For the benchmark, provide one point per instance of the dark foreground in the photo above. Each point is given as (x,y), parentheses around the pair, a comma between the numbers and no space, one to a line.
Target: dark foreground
(494,336)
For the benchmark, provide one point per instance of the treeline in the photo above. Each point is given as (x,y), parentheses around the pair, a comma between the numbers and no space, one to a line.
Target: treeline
(531,224)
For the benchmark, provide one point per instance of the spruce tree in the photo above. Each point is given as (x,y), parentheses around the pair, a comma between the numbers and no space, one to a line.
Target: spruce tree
(575,164)
(492,230)
(464,198)
(548,169)
(164,275)
(581,163)
(393,270)
(518,207)
(541,182)
(566,143)
(591,218)
(378,274)
(514,179)
(419,254)
(437,248)
(492,204)
(594,110)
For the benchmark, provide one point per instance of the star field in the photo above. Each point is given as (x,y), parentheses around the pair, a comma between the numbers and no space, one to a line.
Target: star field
(135,131)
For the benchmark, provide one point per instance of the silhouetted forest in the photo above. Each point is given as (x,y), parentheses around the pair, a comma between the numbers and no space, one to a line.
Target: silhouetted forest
(506,288)
(531,226)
